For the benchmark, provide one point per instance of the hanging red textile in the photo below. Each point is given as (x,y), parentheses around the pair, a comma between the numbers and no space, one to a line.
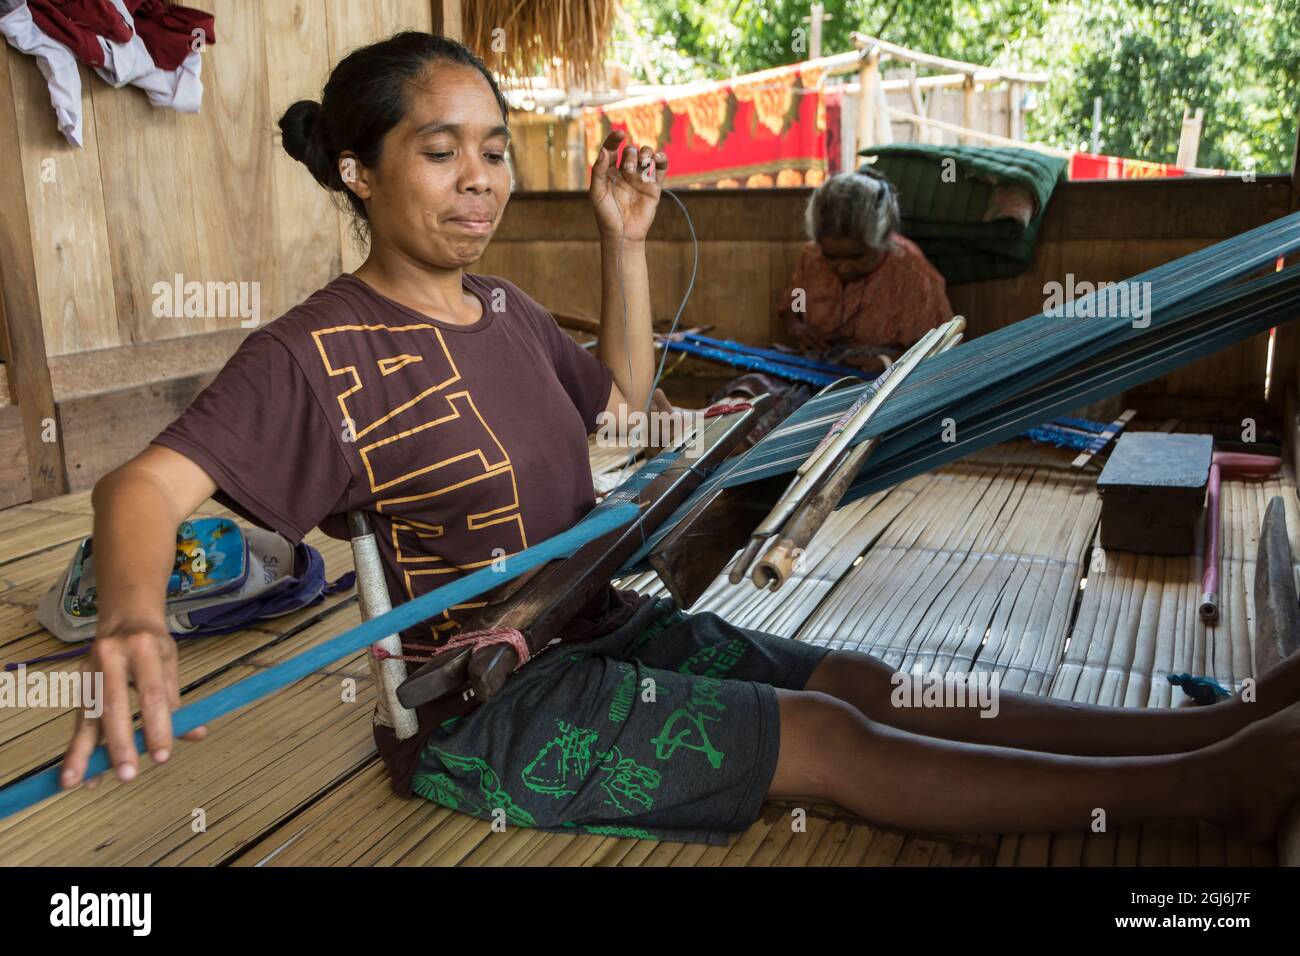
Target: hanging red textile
(762,129)
(169,31)
(77,24)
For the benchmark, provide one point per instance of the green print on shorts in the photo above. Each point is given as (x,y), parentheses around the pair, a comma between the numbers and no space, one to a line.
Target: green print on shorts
(627,782)
(685,725)
(715,661)
(440,788)
(562,763)
(658,627)
(565,761)
(635,832)
(620,704)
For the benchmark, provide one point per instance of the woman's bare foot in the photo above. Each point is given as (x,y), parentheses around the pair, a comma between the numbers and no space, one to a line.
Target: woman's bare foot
(1257,775)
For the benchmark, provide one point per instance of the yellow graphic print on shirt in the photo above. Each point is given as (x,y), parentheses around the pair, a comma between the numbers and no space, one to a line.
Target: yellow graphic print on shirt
(426,451)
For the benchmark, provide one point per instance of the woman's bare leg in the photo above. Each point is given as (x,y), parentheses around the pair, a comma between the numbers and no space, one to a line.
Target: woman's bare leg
(1030,722)
(830,751)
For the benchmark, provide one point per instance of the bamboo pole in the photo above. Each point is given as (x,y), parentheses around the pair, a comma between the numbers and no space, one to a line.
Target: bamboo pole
(967,107)
(919,130)
(896,52)
(976,134)
(1189,138)
(868,77)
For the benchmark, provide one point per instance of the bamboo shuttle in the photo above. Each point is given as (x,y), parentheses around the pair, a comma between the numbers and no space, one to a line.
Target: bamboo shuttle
(810,514)
(831,454)
(778,564)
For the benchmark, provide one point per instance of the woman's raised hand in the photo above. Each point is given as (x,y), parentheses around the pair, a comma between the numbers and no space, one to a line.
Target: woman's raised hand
(625,194)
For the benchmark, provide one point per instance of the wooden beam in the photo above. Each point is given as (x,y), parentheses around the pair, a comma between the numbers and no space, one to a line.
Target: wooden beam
(868,78)
(967,107)
(919,107)
(1295,168)
(23,336)
(103,431)
(1285,371)
(15,485)
(99,371)
(579,323)
(1189,138)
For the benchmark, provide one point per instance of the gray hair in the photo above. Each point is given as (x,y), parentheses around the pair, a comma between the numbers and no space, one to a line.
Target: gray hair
(862,205)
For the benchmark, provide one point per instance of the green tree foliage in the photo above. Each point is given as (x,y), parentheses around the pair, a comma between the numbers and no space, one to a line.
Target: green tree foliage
(1238,60)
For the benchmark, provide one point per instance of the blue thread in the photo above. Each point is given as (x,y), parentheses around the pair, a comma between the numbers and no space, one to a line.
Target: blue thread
(1203,690)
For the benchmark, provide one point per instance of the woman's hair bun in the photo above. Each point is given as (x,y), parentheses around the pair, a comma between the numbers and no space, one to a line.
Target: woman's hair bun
(297,129)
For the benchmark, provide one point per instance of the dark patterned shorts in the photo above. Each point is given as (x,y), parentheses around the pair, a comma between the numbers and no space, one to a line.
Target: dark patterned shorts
(665,729)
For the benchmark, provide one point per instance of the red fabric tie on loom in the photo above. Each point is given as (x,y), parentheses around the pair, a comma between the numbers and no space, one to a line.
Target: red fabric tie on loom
(724,409)
(476,639)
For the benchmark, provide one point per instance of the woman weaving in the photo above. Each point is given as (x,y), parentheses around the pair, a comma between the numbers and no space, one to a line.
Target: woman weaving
(450,407)
(861,289)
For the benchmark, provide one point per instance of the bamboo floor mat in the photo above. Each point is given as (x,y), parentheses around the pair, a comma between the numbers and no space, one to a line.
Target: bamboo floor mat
(991,563)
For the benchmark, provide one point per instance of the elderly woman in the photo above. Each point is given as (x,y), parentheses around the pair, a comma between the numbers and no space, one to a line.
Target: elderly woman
(858,281)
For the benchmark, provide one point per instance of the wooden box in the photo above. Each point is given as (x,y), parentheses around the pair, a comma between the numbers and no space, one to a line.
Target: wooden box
(1153,492)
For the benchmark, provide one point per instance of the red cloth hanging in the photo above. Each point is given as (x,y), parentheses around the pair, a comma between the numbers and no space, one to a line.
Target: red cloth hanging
(168,31)
(78,24)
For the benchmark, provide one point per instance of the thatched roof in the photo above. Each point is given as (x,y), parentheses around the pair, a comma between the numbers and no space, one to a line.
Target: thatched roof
(525,37)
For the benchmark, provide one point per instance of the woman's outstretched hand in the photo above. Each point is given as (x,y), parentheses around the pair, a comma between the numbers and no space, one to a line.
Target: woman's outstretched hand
(625,196)
(143,655)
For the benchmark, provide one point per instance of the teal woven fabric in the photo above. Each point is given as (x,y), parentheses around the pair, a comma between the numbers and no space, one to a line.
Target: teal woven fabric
(998,385)
(946,219)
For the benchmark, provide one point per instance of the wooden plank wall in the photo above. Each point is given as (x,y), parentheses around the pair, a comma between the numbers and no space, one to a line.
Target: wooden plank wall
(211,196)
(154,194)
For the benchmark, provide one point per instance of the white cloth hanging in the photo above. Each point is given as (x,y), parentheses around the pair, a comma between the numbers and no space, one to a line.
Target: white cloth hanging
(55,61)
(179,89)
(124,62)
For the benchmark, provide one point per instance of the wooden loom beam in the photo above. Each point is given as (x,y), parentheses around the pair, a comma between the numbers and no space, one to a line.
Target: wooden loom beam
(545,605)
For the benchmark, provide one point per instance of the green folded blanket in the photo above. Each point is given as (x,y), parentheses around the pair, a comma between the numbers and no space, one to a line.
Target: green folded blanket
(946,218)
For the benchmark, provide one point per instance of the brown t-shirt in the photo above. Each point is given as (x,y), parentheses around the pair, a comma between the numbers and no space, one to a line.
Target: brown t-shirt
(462,442)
